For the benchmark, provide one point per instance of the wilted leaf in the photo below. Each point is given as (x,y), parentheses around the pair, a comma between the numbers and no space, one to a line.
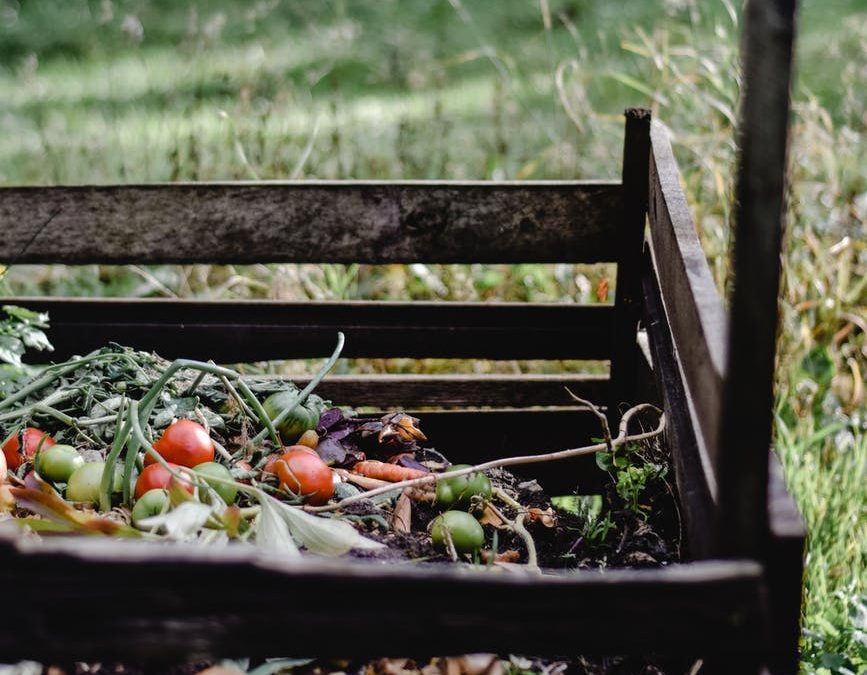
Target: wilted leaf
(546,517)
(272,531)
(491,517)
(401,517)
(327,536)
(42,500)
(181,522)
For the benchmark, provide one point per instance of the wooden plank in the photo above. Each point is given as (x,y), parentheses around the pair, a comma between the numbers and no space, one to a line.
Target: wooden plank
(748,399)
(695,480)
(199,603)
(784,565)
(310,221)
(630,241)
(692,303)
(475,436)
(234,332)
(402,391)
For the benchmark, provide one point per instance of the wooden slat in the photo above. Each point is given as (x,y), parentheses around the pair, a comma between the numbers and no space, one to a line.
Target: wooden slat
(696,482)
(475,436)
(692,302)
(402,391)
(234,332)
(630,238)
(784,565)
(346,221)
(748,402)
(196,603)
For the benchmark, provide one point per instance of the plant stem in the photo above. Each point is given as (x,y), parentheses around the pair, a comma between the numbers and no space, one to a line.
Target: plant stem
(622,438)
(304,393)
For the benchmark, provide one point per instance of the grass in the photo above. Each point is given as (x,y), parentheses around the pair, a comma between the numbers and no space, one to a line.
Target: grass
(148,90)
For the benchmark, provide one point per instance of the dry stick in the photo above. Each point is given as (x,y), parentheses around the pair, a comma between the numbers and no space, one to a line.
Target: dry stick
(603,419)
(621,439)
(518,526)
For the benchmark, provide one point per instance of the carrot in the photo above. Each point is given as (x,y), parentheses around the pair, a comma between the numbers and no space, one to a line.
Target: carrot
(389,472)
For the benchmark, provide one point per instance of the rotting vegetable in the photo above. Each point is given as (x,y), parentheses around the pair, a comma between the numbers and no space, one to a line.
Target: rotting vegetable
(24,445)
(220,468)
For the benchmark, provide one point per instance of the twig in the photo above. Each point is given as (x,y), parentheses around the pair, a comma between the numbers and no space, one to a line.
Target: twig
(603,420)
(622,438)
(518,526)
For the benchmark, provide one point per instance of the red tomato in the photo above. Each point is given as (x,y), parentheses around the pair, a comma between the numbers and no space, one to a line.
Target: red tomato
(270,461)
(305,474)
(29,438)
(243,465)
(184,442)
(156,476)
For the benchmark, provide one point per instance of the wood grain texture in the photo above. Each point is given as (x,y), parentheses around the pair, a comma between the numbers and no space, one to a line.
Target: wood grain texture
(692,302)
(173,612)
(345,221)
(235,332)
(474,391)
(695,481)
(630,239)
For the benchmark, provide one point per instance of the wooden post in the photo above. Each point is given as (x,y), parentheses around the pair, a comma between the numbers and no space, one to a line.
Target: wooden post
(745,434)
(748,396)
(630,243)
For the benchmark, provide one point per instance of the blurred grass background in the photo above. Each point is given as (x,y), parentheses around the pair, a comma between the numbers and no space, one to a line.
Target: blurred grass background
(107,91)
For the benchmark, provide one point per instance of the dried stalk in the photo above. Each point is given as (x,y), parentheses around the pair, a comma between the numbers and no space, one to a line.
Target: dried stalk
(621,439)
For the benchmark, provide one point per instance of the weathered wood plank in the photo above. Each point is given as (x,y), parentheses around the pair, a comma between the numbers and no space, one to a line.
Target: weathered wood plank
(695,480)
(195,603)
(784,565)
(475,436)
(234,332)
(748,399)
(422,391)
(692,302)
(345,221)
(630,239)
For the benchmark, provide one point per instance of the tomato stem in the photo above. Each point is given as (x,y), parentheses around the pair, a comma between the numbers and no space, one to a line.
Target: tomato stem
(304,393)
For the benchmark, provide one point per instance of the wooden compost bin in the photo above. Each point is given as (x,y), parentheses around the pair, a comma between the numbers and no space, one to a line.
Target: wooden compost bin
(735,603)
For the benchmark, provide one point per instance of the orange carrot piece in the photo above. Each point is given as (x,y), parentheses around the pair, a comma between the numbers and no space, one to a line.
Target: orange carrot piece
(392,473)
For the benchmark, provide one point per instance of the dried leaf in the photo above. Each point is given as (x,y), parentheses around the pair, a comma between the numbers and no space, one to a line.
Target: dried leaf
(42,500)
(546,517)
(401,517)
(491,517)
(507,556)
(602,290)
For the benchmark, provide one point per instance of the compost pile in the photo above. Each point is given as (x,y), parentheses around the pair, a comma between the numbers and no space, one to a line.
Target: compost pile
(125,444)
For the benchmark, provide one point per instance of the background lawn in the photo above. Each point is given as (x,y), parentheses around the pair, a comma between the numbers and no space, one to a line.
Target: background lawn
(157,90)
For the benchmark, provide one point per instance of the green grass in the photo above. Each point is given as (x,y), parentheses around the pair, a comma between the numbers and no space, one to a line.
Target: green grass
(451,89)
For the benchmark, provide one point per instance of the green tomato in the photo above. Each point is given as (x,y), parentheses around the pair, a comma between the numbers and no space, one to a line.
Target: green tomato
(303,418)
(227,492)
(460,490)
(151,503)
(466,533)
(83,484)
(58,462)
